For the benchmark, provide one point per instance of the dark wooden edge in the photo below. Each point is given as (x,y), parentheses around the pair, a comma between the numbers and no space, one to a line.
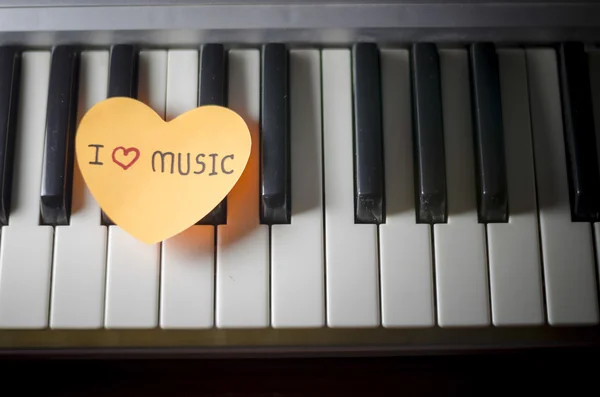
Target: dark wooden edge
(269,342)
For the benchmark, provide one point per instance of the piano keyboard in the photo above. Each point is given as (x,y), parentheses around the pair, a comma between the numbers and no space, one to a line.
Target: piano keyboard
(394,195)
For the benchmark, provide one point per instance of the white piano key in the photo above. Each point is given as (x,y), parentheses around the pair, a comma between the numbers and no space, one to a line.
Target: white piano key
(29,138)
(459,245)
(513,247)
(242,290)
(26,247)
(25,276)
(182,82)
(567,251)
(133,268)
(79,268)
(297,252)
(187,282)
(352,274)
(79,274)
(187,278)
(406,252)
(131,281)
(93,88)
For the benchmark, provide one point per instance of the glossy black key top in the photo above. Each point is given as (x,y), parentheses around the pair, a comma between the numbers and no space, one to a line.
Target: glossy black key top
(10,72)
(428,135)
(213,91)
(580,140)
(57,172)
(213,75)
(122,80)
(488,134)
(275,185)
(123,76)
(369,196)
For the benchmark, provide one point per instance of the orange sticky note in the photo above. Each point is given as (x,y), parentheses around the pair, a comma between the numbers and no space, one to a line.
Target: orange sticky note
(153,178)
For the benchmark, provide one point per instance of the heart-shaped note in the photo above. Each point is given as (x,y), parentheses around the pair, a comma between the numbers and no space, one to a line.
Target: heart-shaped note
(154,178)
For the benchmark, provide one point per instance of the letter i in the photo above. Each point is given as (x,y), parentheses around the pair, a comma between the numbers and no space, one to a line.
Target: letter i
(96,161)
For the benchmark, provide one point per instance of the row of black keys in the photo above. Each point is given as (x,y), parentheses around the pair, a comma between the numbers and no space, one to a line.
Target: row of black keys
(61,119)
(488,140)
(275,203)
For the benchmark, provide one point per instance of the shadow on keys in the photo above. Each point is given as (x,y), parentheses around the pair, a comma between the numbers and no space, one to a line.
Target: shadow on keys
(243,199)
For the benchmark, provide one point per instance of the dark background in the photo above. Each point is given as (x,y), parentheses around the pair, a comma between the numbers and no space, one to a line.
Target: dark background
(481,374)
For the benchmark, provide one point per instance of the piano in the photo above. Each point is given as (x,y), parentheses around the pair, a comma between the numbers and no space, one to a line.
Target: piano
(424,177)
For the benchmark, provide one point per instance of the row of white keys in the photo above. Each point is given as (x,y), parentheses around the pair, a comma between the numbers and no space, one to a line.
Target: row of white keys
(26,247)
(133,267)
(567,247)
(352,265)
(406,254)
(242,290)
(187,262)
(297,249)
(79,260)
(513,247)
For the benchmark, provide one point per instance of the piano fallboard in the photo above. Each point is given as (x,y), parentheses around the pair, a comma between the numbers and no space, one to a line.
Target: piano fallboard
(187,22)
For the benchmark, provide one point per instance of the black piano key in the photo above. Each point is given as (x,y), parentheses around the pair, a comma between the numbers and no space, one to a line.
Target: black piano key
(369,197)
(213,75)
(580,140)
(57,171)
(213,91)
(123,71)
(275,186)
(122,80)
(428,135)
(10,75)
(488,134)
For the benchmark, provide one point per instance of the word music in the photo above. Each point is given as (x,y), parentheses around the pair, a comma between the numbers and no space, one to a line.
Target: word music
(167,162)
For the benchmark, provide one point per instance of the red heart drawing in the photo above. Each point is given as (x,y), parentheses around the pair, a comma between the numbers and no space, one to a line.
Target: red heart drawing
(126,153)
